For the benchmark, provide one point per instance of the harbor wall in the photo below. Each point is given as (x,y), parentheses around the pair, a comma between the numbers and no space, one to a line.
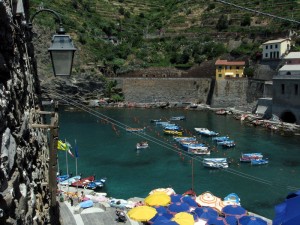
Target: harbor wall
(240,93)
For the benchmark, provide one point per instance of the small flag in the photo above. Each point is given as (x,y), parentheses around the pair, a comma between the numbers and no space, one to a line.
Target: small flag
(69,149)
(76,150)
(61,145)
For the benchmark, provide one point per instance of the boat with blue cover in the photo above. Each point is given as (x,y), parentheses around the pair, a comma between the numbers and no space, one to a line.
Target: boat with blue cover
(96,184)
(256,162)
(69,181)
(61,178)
(221,138)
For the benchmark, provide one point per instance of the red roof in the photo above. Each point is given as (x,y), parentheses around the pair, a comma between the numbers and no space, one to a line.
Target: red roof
(220,62)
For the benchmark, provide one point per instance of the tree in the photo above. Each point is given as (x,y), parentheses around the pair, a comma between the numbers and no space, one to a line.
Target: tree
(222,23)
(246,20)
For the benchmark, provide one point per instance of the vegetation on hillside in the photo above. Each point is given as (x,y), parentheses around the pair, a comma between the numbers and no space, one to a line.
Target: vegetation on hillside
(124,35)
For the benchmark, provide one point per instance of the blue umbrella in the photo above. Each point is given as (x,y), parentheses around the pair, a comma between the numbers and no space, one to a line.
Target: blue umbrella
(288,213)
(161,217)
(165,222)
(189,200)
(176,198)
(161,209)
(251,220)
(231,220)
(178,207)
(206,213)
(234,210)
(216,221)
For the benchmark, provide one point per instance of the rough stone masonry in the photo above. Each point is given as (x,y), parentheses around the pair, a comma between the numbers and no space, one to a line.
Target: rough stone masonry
(24,194)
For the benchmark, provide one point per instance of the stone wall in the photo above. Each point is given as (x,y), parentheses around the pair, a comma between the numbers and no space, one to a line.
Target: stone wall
(24,195)
(145,90)
(239,93)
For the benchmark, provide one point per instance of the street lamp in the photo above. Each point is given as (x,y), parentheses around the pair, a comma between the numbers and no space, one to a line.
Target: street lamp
(61,50)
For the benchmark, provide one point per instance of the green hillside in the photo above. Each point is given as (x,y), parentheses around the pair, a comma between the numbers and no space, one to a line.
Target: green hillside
(122,35)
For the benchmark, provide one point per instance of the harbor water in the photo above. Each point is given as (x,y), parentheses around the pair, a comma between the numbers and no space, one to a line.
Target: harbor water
(107,150)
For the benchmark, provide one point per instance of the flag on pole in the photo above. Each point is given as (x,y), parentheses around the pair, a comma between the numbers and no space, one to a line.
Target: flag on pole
(76,150)
(61,145)
(64,147)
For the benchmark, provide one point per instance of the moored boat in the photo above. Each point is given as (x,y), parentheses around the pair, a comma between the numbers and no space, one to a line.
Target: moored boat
(177,118)
(61,178)
(198,150)
(220,139)
(142,144)
(218,163)
(83,182)
(69,181)
(180,139)
(206,132)
(247,157)
(173,132)
(259,162)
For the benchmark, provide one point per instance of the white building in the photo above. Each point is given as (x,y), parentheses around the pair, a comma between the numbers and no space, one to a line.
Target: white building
(276,49)
(292,58)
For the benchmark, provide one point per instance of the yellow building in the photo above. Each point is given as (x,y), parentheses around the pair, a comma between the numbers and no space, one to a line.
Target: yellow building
(229,69)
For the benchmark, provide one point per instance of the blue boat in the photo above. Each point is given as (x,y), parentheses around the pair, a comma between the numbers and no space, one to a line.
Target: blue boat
(62,178)
(222,138)
(256,162)
(96,184)
(179,139)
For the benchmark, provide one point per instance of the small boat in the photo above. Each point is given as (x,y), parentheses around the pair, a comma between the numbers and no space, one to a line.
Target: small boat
(186,146)
(198,151)
(61,178)
(174,118)
(228,144)
(180,139)
(246,157)
(220,139)
(96,184)
(173,132)
(162,123)
(172,127)
(70,180)
(206,132)
(217,163)
(259,162)
(155,120)
(129,129)
(142,144)
(233,198)
(83,182)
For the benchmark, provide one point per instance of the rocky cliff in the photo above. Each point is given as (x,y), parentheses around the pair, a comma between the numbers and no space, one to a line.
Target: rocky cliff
(24,193)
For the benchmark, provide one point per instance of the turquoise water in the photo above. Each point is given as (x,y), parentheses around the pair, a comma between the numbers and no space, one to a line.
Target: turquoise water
(108,150)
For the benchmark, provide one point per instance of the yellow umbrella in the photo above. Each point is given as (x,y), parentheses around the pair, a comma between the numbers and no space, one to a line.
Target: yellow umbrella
(184,218)
(142,213)
(158,199)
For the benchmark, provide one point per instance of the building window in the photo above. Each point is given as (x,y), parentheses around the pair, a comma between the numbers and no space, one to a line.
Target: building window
(237,67)
(282,89)
(288,73)
(276,46)
(266,55)
(271,46)
(220,75)
(296,89)
(237,75)
(228,67)
(266,46)
(219,67)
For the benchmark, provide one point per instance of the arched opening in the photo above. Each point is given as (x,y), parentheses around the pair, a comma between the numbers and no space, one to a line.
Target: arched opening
(288,117)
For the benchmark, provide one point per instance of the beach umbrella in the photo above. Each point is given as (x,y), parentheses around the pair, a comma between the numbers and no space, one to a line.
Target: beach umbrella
(168,191)
(190,192)
(221,204)
(161,216)
(158,199)
(184,218)
(189,200)
(165,222)
(252,220)
(231,220)
(142,213)
(176,198)
(234,210)
(288,213)
(216,221)
(207,199)
(161,209)
(206,213)
(179,207)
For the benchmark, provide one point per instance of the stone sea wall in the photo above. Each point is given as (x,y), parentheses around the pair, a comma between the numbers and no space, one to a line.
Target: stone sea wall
(24,196)
(239,93)
(145,90)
